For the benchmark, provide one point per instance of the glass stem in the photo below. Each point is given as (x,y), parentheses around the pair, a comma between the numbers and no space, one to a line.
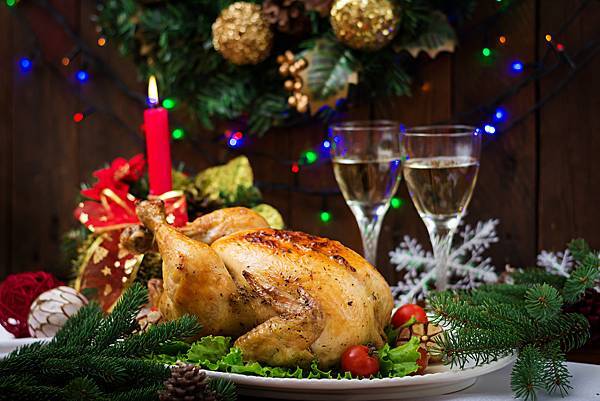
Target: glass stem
(441,234)
(369,223)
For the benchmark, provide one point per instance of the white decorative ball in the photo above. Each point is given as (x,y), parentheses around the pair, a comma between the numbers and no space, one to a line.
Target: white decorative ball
(51,310)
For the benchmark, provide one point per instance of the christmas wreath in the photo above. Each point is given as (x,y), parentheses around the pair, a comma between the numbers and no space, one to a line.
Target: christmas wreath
(268,63)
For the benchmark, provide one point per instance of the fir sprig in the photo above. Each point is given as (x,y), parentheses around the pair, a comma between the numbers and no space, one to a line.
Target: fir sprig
(96,357)
(525,318)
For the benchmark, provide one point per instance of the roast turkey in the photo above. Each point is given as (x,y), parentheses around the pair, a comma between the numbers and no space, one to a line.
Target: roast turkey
(286,296)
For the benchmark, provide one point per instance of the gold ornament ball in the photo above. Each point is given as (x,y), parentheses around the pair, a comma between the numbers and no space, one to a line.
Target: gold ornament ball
(241,34)
(364,24)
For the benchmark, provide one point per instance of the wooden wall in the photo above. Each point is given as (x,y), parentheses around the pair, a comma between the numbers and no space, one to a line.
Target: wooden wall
(540,178)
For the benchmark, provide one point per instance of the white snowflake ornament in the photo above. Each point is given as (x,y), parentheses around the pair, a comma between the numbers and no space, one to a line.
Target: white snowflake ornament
(466,266)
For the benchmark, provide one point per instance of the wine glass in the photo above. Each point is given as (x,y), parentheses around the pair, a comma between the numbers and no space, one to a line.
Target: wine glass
(366,157)
(440,170)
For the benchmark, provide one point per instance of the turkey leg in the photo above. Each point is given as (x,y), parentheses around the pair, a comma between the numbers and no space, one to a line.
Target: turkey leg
(285,339)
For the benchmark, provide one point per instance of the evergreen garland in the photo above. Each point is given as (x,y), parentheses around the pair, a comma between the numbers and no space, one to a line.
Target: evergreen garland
(527,317)
(97,357)
(173,41)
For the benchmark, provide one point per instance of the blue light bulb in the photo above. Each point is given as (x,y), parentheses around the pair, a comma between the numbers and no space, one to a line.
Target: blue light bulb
(500,114)
(326,144)
(82,76)
(25,64)
(517,66)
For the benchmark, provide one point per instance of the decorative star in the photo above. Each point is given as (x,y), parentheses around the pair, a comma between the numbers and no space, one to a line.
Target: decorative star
(106,271)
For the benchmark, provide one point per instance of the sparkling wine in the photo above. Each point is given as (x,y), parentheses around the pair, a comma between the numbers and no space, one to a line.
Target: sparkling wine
(441,187)
(367,184)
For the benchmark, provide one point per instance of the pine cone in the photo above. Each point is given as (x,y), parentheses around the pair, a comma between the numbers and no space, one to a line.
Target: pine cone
(187,383)
(287,16)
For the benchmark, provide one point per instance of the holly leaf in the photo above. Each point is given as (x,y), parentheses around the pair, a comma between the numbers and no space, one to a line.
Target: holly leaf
(437,36)
(330,72)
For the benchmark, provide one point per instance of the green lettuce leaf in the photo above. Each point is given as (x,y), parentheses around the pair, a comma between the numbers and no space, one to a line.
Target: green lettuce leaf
(216,353)
(399,361)
(209,349)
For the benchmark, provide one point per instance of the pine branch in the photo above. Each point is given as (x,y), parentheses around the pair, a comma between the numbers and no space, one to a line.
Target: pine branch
(225,388)
(582,278)
(556,376)
(138,394)
(527,377)
(121,321)
(80,328)
(144,343)
(538,276)
(579,249)
(543,302)
(95,357)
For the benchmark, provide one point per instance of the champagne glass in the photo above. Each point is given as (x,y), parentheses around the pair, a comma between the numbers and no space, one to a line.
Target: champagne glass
(366,158)
(440,170)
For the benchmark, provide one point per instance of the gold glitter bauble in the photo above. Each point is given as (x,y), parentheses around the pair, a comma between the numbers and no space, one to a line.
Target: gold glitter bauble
(241,34)
(364,24)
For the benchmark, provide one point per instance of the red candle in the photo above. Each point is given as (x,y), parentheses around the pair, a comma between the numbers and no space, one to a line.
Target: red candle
(156,124)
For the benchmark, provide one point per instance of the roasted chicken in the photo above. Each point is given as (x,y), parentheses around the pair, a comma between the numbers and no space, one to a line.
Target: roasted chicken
(288,297)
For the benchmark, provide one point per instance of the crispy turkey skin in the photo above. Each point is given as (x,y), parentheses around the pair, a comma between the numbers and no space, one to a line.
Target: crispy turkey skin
(288,297)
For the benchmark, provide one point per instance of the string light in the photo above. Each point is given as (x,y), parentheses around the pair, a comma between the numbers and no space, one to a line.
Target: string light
(168,103)
(11,3)
(325,216)
(295,168)
(490,129)
(396,202)
(234,140)
(502,39)
(25,64)
(517,66)
(426,87)
(65,61)
(82,76)
(560,47)
(310,156)
(500,114)
(486,52)
(548,37)
(178,134)
(326,144)
(78,117)
(101,41)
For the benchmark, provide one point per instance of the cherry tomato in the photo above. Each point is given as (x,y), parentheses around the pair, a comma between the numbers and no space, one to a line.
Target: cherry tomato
(422,361)
(360,360)
(405,312)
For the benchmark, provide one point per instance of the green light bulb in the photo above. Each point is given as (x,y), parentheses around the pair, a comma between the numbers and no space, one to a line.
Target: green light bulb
(168,103)
(486,51)
(396,203)
(310,156)
(178,133)
(325,216)
(11,3)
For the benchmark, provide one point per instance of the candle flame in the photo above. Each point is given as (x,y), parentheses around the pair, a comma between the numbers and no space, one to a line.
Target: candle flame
(152,91)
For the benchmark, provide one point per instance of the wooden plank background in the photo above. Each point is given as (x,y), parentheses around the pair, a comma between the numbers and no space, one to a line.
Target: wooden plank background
(540,178)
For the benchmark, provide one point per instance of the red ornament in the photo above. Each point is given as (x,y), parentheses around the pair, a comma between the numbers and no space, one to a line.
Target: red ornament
(17,293)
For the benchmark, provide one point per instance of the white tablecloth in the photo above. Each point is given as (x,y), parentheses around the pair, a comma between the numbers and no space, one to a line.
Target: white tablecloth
(496,386)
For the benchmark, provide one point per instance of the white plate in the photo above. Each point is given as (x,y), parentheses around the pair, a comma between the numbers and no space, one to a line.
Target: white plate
(438,380)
